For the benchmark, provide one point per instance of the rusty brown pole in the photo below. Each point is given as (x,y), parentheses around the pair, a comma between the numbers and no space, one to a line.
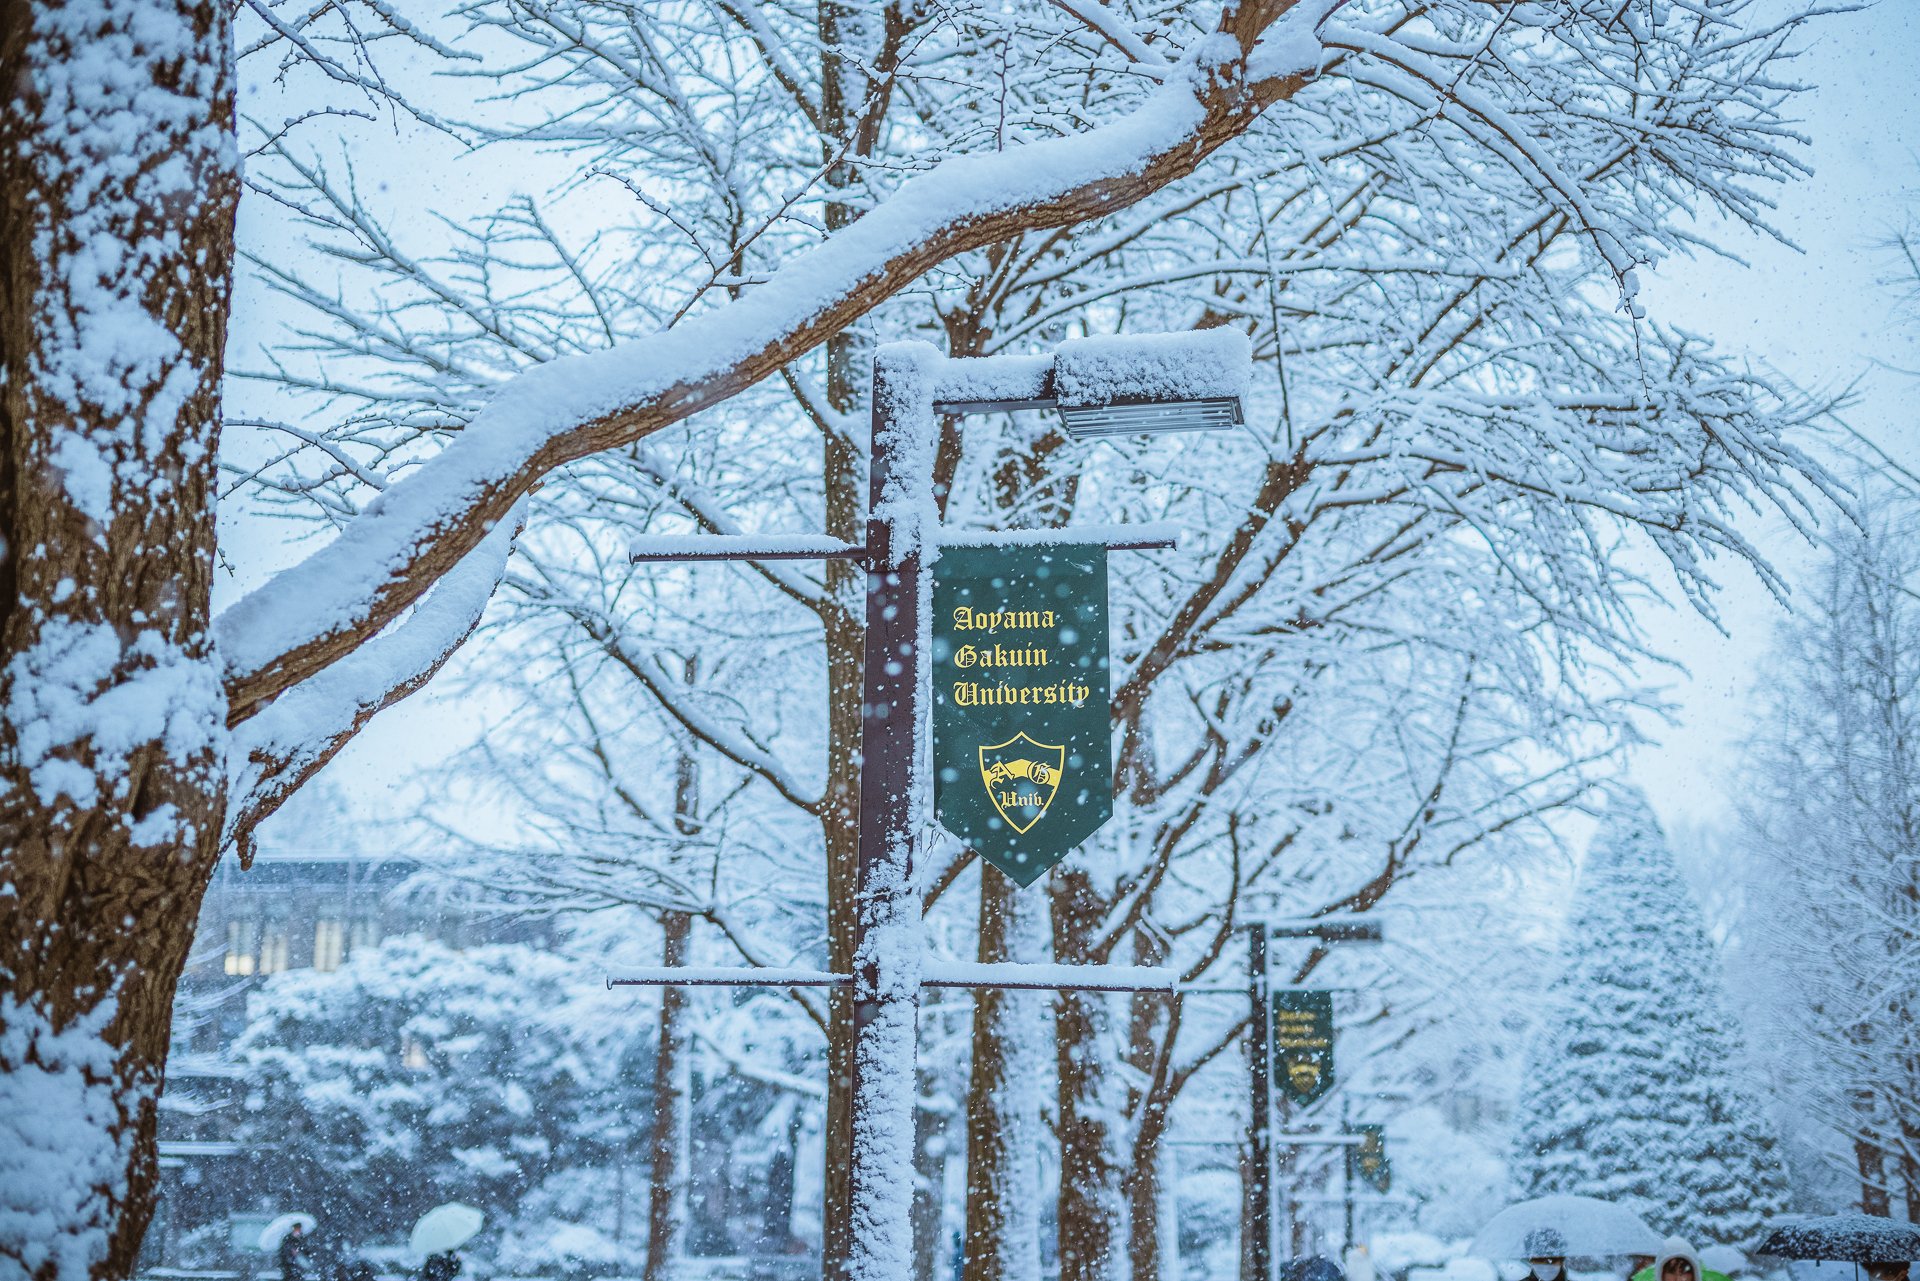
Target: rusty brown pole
(893,760)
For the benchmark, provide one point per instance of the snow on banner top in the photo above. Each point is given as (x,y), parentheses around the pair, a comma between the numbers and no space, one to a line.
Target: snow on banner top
(1205,365)
(1146,531)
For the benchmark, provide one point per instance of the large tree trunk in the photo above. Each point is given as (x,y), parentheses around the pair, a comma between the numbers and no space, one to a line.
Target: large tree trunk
(670,1141)
(1002,1240)
(1869,1145)
(842,474)
(839,822)
(1090,1208)
(118,183)
(1910,1173)
(1870,1161)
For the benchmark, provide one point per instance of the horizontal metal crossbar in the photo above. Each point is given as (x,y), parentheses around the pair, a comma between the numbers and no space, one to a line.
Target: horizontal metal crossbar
(849,553)
(664,556)
(1013,976)
(1291,1140)
(724,976)
(993,406)
(1391,1199)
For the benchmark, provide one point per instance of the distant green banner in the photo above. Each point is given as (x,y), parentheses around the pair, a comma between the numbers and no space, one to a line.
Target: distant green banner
(1303,1044)
(1022,739)
(1370,1158)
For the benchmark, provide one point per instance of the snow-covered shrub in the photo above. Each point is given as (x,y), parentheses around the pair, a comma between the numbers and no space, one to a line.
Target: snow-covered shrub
(417,1074)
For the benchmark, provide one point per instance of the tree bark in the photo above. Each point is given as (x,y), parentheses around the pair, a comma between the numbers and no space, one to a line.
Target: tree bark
(669,1144)
(118,185)
(1002,1241)
(1871,1164)
(1910,1172)
(840,817)
(842,475)
(1089,1204)
(1147,1036)
(930,1122)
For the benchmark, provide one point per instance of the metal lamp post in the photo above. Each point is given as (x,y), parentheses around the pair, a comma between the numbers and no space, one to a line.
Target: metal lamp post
(1100,387)
(1331,929)
(914,385)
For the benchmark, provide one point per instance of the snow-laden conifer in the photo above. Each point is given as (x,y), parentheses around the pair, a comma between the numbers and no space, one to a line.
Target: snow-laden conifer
(1634,1089)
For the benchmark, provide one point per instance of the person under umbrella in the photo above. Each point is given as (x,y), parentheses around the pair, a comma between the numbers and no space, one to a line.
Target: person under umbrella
(1546,1255)
(292,1246)
(441,1231)
(1547,1267)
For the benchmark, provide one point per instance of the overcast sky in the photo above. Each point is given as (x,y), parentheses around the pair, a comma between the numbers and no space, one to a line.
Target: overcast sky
(1823,313)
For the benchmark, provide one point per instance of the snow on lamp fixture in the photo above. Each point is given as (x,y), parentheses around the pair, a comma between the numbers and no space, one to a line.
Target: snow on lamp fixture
(1124,385)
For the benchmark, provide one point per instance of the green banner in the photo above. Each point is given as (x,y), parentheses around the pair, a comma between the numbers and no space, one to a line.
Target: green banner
(1370,1158)
(1303,1044)
(1022,737)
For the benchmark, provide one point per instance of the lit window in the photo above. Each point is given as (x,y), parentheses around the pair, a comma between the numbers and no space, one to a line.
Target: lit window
(413,1053)
(329,944)
(275,950)
(240,947)
(366,933)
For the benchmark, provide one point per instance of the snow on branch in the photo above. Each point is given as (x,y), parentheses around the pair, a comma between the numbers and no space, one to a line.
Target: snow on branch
(1106,24)
(676,698)
(286,744)
(313,614)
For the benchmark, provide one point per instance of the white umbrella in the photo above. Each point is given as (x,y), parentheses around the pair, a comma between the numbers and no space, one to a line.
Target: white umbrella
(274,1233)
(1558,1226)
(445,1227)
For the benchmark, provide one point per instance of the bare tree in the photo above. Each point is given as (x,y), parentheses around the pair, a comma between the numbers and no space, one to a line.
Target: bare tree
(139,736)
(1831,811)
(1373,467)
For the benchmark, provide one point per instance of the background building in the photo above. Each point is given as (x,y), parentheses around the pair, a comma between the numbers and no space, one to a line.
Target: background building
(305,910)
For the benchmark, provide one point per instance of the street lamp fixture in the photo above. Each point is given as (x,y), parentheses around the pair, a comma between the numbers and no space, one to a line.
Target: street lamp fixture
(1123,385)
(1086,422)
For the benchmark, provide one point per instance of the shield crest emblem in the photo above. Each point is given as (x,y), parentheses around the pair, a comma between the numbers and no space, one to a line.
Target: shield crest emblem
(1022,776)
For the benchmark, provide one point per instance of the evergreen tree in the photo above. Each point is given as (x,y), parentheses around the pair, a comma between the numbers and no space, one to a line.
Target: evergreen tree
(1635,1091)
